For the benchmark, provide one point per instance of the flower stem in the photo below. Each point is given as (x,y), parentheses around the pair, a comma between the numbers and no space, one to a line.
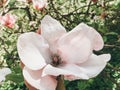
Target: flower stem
(60,84)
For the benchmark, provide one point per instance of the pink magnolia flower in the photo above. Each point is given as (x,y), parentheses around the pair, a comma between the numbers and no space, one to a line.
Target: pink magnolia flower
(57,52)
(39,4)
(8,20)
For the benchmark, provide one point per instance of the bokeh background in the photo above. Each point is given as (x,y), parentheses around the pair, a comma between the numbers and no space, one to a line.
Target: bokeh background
(103,15)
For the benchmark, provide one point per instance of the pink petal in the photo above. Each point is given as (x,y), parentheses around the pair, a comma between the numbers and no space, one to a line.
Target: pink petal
(75,47)
(8,20)
(51,30)
(70,71)
(93,35)
(48,83)
(95,64)
(33,50)
(33,77)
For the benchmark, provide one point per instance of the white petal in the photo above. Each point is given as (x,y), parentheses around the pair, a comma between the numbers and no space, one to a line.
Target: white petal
(48,83)
(51,30)
(93,35)
(95,64)
(2,78)
(75,47)
(33,77)
(33,50)
(3,73)
(71,70)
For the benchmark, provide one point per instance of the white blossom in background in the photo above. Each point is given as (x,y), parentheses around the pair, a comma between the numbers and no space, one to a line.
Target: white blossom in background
(3,73)
(39,4)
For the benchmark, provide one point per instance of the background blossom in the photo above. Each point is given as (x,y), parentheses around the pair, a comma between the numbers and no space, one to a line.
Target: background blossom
(8,20)
(3,73)
(39,4)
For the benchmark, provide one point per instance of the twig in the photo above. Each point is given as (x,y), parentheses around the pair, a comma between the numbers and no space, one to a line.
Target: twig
(112,46)
(114,81)
(88,8)
(60,84)
(114,68)
(25,9)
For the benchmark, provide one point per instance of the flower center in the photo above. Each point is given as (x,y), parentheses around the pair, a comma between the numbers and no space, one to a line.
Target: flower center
(56,60)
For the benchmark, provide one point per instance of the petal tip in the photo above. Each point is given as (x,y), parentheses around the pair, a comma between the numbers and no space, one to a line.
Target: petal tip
(82,23)
(108,57)
(46,17)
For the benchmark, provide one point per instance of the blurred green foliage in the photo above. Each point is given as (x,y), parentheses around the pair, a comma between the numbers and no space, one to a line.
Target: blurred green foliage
(103,15)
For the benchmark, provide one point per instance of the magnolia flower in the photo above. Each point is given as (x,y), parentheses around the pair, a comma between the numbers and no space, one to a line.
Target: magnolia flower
(39,4)
(8,20)
(3,73)
(56,52)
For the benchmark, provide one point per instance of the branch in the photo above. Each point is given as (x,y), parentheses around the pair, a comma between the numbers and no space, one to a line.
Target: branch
(25,9)
(60,84)
(88,8)
(112,46)
(114,68)
(114,81)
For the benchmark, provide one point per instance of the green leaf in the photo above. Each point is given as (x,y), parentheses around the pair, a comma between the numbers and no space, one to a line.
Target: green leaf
(105,38)
(17,69)
(8,42)
(17,78)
